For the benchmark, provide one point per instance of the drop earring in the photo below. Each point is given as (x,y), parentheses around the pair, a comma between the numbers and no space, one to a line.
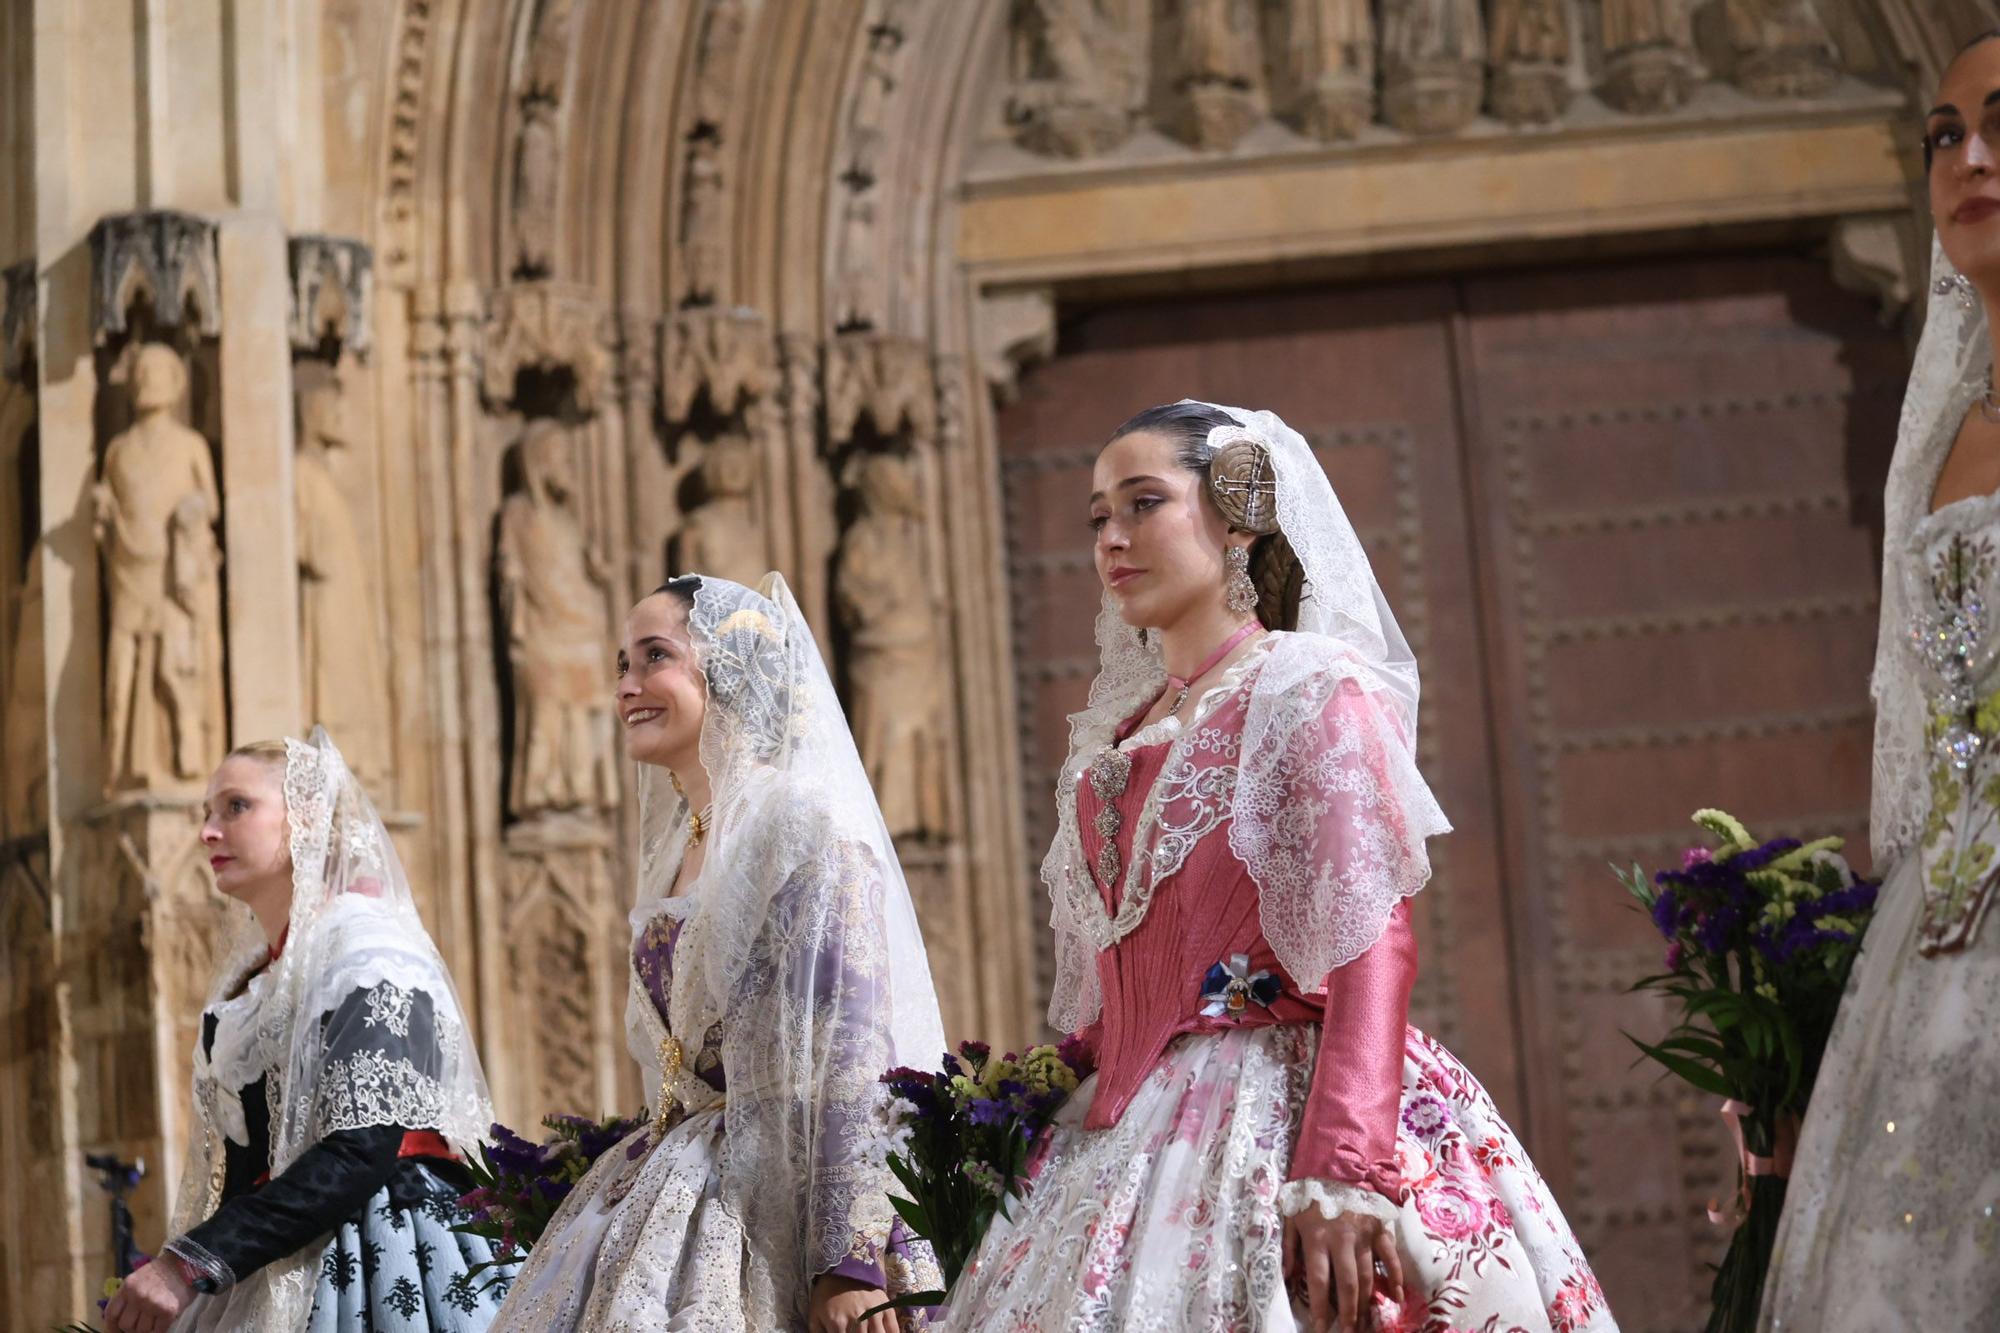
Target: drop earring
(1239,593)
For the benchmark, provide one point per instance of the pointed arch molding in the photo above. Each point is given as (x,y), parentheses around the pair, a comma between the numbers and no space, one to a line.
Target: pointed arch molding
(917,184)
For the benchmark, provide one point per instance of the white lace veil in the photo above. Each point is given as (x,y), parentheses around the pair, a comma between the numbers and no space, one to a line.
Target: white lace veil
(1953,358)
(808,950)
(1321,903)
(359,1024)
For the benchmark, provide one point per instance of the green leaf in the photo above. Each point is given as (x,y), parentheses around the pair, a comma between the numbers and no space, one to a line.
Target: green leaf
(914,1300)
(1689,1071)
(907,1175)
(913,1215)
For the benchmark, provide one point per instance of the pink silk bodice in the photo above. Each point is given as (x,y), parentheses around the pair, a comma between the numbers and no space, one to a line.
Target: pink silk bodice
(1202,914)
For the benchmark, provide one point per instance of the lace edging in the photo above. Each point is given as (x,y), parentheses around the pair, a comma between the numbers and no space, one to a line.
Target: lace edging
(1333,1198)
(202,1260)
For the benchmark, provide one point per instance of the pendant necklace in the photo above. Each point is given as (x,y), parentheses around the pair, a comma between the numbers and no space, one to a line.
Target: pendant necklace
(1111,770)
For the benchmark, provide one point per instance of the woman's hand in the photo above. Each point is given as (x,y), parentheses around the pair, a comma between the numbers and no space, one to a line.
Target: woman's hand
(1336,1257)
(149,1300)
(838,1304)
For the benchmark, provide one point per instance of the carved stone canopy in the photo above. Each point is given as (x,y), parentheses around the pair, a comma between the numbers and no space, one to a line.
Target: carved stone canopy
(729,353)
(333,284)
(549,326)
(883,378)
(18,317)
(167,257)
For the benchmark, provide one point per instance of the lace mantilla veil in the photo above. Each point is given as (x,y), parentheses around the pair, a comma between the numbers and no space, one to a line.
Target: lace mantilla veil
(1324,896)
(353,927)
(1953,358)
(805,942)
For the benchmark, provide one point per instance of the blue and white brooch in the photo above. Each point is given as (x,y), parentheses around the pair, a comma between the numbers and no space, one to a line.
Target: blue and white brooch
(1230,987)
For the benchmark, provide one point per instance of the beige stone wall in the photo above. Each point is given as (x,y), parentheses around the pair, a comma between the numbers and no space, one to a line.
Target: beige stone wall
(758,267)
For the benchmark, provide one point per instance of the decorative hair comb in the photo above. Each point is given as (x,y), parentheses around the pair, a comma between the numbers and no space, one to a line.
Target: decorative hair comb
(1244,486)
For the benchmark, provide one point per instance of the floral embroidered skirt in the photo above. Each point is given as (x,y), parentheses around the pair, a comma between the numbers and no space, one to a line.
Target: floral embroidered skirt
(647,1243)
(1169,1219)
(396,1266)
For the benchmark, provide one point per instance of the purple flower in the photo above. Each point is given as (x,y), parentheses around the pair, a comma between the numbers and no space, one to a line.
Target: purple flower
(976,1052)
(1074,1051)
(1696,856)
(987,1111)
(509,1152)
(1666,915)
(1674,953)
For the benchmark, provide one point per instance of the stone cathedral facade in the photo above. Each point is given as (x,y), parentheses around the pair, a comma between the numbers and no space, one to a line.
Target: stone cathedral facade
(362,360)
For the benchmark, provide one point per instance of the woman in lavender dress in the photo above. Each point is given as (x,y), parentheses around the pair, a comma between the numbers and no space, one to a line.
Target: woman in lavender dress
(776,971)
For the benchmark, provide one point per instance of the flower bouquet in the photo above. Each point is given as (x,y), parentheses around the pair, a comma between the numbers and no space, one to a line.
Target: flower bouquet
(963,1140)
(1760,937)
(519,1185)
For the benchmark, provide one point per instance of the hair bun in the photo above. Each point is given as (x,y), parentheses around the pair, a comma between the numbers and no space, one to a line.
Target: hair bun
(1245,486)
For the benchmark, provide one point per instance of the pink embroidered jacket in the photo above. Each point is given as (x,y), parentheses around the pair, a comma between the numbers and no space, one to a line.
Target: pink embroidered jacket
(1205,912)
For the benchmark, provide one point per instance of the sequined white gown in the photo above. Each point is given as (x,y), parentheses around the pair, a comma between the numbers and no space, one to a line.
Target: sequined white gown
(1893,1219)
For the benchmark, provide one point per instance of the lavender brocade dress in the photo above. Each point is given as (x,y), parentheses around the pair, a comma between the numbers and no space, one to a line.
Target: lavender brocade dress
(647,1241)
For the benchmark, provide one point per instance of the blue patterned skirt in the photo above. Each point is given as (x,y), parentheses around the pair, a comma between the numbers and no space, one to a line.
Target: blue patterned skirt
(398,1267)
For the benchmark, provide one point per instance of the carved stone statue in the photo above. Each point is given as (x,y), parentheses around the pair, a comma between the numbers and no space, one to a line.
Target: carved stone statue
(715,73)
(858,279)
(346,674)
(536,170)
(702,223)
(1530,46)
(1433,64)
(25,774)
(1649,64)
(868,118)
(1323,55)
(722,535)
(1074,78)
(1217,73)
(156,510)
(1782,48)
(895,647)
(552,591)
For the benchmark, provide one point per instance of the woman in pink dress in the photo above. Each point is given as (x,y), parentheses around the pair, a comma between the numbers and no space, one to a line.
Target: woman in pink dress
(1267,1144)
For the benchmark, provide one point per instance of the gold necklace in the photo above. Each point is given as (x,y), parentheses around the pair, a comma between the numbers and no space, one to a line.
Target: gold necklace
(698,824)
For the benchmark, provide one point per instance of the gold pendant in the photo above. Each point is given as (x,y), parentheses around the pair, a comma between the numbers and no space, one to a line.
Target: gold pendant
(1109,774)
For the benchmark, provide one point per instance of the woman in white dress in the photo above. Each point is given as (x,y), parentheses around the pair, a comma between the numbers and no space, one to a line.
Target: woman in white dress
(776,972)
(1892,1218)
(1240,823)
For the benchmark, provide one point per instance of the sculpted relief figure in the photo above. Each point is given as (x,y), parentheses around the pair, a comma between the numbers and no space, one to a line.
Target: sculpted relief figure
(1782,48)
(1433,56)
(895,649)
(552,595)
(1648,54)
(722,536)
(1530,52)
(346,674)
(1218,69)
(156,510)
(536,171)
(1324,54)
(1074,76)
